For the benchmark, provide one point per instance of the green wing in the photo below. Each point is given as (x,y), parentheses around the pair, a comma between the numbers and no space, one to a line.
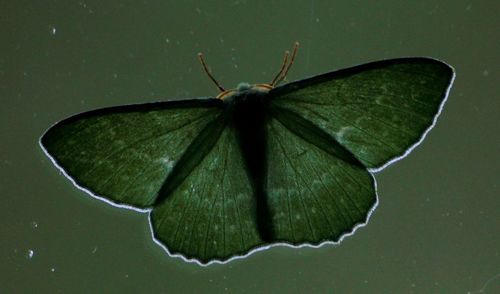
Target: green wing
(183,160)
(378,111)
(316,191)
(125,153)
(178,159)
(210,215)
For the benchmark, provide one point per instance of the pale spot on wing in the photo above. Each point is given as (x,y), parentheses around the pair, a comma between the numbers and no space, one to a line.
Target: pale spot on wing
(343,131)
(214,164)
(167,162)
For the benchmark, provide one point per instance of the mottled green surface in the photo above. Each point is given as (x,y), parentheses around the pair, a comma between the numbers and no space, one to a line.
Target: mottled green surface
(435,229)
(124,154)
(185,161)
(376,111)
(211,214)
(315,196)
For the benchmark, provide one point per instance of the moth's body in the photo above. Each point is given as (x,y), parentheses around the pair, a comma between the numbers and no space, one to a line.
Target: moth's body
(247,110)
(243,91)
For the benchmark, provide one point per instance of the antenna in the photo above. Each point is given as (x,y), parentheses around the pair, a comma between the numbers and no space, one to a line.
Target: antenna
(205,68)
(285,67)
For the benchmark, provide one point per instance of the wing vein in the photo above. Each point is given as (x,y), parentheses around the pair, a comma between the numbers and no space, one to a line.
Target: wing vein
(297,183)
(331,194)
(211,218)
(287,194)
(224,203)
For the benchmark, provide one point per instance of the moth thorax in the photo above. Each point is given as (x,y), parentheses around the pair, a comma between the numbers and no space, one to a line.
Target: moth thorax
(244,90)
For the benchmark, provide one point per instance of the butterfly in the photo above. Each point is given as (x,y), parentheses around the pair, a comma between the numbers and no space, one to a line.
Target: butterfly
(260,164)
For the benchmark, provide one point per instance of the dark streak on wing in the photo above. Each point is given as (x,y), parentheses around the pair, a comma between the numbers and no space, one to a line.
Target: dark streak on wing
(345,72)
(193,155)
(314,135)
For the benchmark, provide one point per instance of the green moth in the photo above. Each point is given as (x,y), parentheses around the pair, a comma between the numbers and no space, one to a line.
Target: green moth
(258,165)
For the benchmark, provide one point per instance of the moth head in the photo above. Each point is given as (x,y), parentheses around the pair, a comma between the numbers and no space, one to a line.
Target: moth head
(244,88)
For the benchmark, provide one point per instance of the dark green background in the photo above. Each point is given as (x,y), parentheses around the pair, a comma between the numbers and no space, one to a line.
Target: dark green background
(436,229)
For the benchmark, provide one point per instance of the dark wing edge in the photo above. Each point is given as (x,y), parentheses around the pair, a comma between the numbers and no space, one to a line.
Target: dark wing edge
(187,103)
(344,72)
(316,79)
